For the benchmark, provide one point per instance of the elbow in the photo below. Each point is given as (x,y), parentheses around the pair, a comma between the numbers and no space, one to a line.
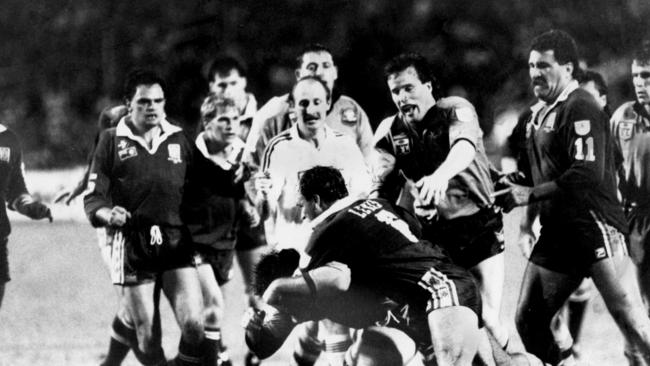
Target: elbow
(342,282)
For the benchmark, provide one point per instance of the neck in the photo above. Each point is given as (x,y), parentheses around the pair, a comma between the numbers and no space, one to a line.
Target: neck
(311,135)
(214,146)
(147,132)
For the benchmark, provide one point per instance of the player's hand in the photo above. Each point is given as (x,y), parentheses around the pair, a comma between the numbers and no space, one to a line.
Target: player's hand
(526,242)
(432,188)
(239,174)
(251,216)
(37,211)
(517,196)
(262,183)
(119,216)
(66,196)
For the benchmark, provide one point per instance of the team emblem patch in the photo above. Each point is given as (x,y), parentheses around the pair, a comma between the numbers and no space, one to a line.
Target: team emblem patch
(625,130)
(601,253)
(549,123)
(125,151)
(349,115)
(174,151)
(582,127)
(402,144)
(5,154)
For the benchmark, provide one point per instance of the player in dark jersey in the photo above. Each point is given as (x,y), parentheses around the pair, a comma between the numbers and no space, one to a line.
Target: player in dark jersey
(631,127)
(135,190)
(384,258)
(13,194)
(572,172)
(438,144)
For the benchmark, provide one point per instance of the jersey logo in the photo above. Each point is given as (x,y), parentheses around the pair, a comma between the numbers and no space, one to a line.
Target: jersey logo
(625,130)
(549,124)
(125,151)
(601,253)
(5,154)
(402,144)
(349,115)
(582,127)
(174,151)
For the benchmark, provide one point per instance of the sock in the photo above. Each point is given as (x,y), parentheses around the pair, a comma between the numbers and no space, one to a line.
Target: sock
(214,352)
(335,347)
(156,358)
(188,354)
(121,337)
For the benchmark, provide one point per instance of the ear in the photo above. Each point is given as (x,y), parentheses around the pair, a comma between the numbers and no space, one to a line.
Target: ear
(245,82)
(336,73)
(297,73)
(128,105)
(429,86)
(317,201)
(570,66)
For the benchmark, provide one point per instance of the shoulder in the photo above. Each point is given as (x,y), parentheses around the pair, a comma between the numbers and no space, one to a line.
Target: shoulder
(461,108)
(581,100)
(7,134)
(274,107)
(347,102)
(110,116)
(625,111)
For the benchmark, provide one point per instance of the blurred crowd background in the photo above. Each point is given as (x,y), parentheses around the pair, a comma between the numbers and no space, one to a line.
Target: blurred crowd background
(63,61)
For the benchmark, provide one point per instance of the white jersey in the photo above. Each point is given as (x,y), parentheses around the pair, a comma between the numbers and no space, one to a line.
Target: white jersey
(286,157)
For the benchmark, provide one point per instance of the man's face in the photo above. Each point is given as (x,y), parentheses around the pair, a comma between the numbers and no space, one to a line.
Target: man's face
(548,77)
(147,107)
(224,126)
(319,64)
(230,85)
(591,88)
(641,81)
(310,106)
(310,209)
(412,97)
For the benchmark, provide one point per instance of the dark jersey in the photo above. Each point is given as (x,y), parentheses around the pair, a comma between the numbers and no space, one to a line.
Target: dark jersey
(381,249)
(210,204)
(569,142)
(12,182)
(147,182)
(420,148)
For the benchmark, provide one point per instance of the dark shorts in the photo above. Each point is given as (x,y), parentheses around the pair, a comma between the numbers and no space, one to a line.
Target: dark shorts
(220,260)
(4,261)
(468,240)
(249,238)
(639,239)
(139,255)
(572,248)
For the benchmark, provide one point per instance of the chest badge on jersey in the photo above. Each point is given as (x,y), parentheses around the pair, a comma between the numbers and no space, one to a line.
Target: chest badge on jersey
(349,116)
(402,144)
(174,151)
(549,123)
(125,150)
(582,127)
(625,130)
(5,154)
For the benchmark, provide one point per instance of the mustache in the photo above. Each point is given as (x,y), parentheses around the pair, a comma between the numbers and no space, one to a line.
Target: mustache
(538,81)
(310,117)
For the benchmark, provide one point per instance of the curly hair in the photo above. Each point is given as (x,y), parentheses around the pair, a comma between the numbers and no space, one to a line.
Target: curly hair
(274,265)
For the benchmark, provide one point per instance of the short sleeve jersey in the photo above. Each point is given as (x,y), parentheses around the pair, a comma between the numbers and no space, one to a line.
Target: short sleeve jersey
(569,142)
(420,148)
(288,155)
(379,244)
(148,182)
(631,128)
(12,182)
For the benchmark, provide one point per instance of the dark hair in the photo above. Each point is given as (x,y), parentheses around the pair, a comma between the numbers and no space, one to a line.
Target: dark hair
(320,81)
(140,77)
(214,105)
(326,182)
(642,53)
(222,65)
(563,46)
(422,67)
(590,75)
(311,48)
(272,266)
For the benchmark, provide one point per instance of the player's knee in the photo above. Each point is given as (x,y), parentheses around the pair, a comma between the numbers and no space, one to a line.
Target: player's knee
(192,330)
(212,315)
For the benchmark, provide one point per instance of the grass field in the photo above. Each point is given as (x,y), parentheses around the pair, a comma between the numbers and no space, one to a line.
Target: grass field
(59,304)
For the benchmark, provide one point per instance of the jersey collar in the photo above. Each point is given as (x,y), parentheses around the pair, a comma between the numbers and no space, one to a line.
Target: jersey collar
(250,109)
(224,159)
(167,129)
(293,132)
(537,107)
(3,128)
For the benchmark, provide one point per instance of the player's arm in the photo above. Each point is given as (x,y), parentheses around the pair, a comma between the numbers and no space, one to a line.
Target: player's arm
(360,177)
(365,136)
(18,197)
(328,280)
(464,133)
(97,204)
(382,162)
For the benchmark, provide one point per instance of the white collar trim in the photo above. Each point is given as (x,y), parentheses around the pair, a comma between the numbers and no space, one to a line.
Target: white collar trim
(225,159)
(167,129)
(3,128)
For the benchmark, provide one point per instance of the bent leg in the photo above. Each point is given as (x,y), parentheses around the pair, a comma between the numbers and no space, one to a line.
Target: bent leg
(454,335)
(182,288)
(490,274)
(213,309)
(615,279)
(543,292)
